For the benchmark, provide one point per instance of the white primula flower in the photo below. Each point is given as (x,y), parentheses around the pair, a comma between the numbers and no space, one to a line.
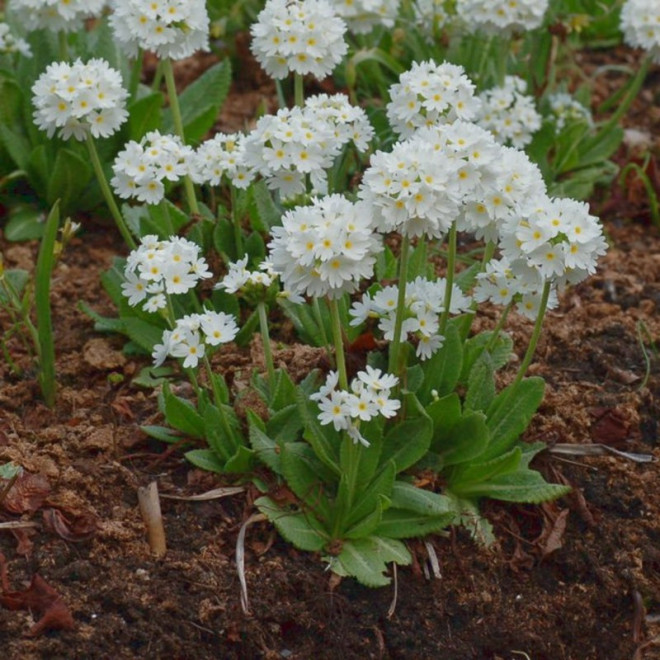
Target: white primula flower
(326,248)
(496,16)
(170,28)
(363,16)
(566,111)
(301,36)
(640,24)
(222,158)
(508,113)
(56,15)
(10,43)
(141,167)
(430,94)
(79,99)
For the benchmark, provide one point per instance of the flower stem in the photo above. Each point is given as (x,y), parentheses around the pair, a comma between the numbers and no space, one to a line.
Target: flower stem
(265,337)
(536,333)
(633,89)
(395,347)
(168,71)
(498,328)
(298,90)
(449,284)
(338,339)
(107,193)
(235,221)
(136,73)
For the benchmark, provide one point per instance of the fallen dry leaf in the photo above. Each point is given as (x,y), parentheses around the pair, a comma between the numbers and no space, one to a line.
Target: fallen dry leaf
(74,527)
(40,598)
(27,494)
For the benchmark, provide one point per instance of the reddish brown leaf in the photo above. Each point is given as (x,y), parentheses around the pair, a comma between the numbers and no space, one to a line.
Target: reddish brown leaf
(39,598)
(27,494)
(24,542)
(552,537)
(72,527)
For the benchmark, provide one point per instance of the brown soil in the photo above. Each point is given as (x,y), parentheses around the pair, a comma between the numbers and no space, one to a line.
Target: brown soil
(575,579)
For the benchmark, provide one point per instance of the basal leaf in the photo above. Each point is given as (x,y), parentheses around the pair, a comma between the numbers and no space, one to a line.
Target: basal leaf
(181,414)
(405,524)
(300,529)
(417,500)
(481,384)
(205,459)
(443,369)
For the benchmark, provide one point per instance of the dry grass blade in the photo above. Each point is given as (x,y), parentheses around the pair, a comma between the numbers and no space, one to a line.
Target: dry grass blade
(433,560)
(567,449)
(214,494)
(240,558)
(395,596)
(18,524)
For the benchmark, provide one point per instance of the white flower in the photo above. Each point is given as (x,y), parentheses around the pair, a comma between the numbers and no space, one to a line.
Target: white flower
(566,110)
(170,28)
(326,248)
(10,43)
(430,17)
(141,167)
(79,98)
(430,94)
(303,36)
(495,16)
(218,327)
(56,15)
(362,16)
(508,113)
(640,23)
(223,156)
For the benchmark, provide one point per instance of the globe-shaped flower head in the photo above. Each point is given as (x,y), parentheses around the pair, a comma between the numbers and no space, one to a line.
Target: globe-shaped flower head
(170,28)
(76,99)
(494,16)
(362,16)
(303,36)
(640,22)
(56,15)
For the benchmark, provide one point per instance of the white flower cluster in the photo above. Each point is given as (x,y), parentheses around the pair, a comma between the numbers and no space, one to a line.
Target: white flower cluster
(56,15)
(350,122)
(503,282)
(430,16)
(559,238)
(170,28)
(368,397)
(508,113)
(299,142)
(363,16)
(324,249)
(424,304)
(79,98)
(430,94)
(495,16)
(10,43)
(222,156)
(640,24)
(238,276)
(566,110)
(191,335)
(157,268)
(303,36)
(141,167)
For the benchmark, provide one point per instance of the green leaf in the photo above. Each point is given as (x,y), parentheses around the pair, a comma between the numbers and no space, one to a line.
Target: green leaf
(369,498)
(510,414)
(17,279)
(102,323)
(241,462)
(205,459)
(225,446)
(405,496)
(298,528)
(324,440)
(162,433)
(68,178)
(463,477)
(181,414)
(201,101)
(16,145)
(481,384)
(404,524)
(25,224)
(469,439)
(143,333)
(144,115)
(285,425)
(366,559)
(366,526)
(265,448)
(445,414)
(521,486)
(408,441)
(266,213)
(443,369)
(284,392)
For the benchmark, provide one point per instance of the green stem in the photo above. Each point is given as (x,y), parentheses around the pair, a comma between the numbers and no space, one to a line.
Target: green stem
(107,194)
(236,222)
(168,71)
(633,90)
(395,346)
(136,74)
(281,99)
(316,308)
(536,333)
(339,344)
(265,337)
(63,44)
(298,90)
(449,284)
(498,327)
